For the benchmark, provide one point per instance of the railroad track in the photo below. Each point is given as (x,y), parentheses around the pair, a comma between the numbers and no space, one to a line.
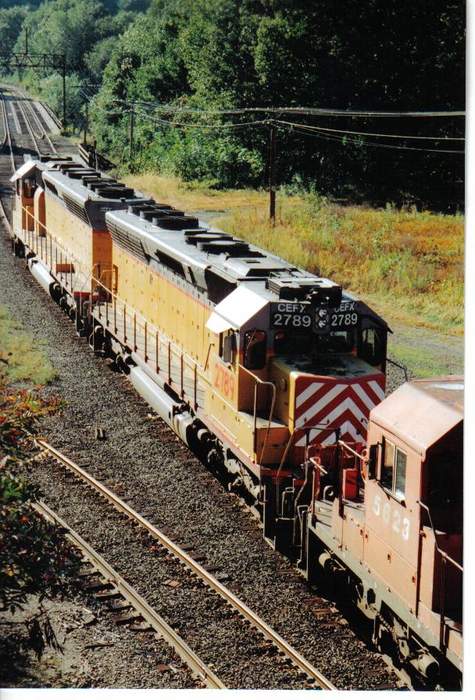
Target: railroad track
(112,585)
(35,126)
(23,131)
(313,675)
(19,116)
(7,165)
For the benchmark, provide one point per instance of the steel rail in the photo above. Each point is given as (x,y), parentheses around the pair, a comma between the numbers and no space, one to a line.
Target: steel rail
(7,141)
(29,128)
(43,132)
(212,582)
(197,666)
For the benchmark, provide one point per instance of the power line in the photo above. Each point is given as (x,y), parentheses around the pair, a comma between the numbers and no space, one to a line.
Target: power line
(302,110)
(305,129)
(367,133)
(186,125)
(312,132)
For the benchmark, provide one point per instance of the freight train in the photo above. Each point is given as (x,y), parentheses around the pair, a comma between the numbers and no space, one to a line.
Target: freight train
(276,378)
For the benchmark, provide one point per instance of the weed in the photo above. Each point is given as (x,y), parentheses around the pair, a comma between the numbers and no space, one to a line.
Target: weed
(20,358)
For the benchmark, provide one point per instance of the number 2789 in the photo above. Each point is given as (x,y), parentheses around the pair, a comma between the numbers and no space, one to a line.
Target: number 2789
(293,320)
(344,319)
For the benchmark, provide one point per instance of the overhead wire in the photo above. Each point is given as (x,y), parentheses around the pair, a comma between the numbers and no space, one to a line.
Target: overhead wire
(186,125)
(327,133)
(304,128)
(368,133)
(302,110)
(342,139)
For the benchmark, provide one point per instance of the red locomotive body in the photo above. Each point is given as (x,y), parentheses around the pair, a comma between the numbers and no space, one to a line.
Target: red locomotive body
(398,534)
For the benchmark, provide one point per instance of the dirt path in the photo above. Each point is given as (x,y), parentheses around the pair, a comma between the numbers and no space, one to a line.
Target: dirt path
(426,352)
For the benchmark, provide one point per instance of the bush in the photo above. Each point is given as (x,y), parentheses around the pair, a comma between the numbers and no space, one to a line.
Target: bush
(35,559)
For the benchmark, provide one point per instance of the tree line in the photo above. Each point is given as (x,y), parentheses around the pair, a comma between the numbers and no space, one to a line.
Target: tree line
(179,64)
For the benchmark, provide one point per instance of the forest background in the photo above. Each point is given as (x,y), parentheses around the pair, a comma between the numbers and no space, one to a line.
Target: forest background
(179,63)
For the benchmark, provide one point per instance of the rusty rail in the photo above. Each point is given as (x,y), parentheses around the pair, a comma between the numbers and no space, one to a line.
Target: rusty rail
(199,669)
(213,583)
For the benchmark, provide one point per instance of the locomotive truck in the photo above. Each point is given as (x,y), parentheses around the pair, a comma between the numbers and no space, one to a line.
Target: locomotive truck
(276,378)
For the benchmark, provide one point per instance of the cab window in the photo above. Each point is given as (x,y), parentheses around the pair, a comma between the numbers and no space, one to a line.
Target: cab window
(336,342)
(227,346)
(393,469)
(255,349)
(29,187)
(372,346)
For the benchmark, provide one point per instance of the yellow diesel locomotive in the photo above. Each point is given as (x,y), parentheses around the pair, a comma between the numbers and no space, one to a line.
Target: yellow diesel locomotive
(255,363)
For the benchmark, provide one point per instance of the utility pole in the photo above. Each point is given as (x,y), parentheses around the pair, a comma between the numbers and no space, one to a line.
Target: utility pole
(86,123)
(272,156)
(26,40)
(64,91)
(131,134)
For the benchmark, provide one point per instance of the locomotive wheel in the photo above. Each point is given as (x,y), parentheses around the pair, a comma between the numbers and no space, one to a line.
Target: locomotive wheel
(18,248)
(96,340)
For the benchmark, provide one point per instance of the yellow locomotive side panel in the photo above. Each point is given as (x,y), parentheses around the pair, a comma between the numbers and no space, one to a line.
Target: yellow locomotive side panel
(177,314)
(72,234)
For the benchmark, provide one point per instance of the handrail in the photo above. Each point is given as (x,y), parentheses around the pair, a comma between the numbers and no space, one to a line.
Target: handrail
(403,367)
(350,449)
(440,551)
(442,574)
(60,246)
(258,381)
(142,321)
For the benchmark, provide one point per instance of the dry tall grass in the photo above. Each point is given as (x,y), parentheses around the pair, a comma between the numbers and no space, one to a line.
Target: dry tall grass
(405,262)
(20,357)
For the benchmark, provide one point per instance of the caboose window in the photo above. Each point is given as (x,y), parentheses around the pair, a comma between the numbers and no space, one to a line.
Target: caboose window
(393,469)
(400,476)
(387,468)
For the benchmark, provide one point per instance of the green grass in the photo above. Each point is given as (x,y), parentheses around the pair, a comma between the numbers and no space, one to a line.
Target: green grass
(21,358)
(421,364)
(407,263)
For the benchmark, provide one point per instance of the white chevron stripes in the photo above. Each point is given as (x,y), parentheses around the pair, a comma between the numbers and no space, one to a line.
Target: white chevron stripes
(358,389)
(342,405)
(308,392)
(360,421)
(329,396)
(378,390)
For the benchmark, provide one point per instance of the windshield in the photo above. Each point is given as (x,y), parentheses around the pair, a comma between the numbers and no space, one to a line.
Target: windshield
(287,343)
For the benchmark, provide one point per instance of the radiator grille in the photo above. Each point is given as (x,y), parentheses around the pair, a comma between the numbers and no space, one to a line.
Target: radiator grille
(76,209)
(127,241)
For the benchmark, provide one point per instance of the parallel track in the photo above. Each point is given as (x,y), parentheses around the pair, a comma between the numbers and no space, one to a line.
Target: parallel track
(31,117)
(7,166)
(199,669)
(25,123)
(211,582)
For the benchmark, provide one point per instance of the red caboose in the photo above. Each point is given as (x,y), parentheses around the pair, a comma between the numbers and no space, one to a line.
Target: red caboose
(392,523)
